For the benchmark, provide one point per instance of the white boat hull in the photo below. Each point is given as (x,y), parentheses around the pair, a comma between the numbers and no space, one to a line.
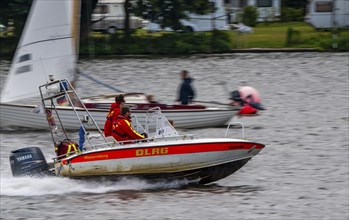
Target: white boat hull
(21,116)
(205,160)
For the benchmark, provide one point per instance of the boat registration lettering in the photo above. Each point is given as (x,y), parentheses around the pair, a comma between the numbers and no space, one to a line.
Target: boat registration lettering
(102,156)
(151,151)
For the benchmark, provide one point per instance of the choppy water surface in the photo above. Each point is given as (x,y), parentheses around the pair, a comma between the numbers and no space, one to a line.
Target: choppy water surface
(301,174)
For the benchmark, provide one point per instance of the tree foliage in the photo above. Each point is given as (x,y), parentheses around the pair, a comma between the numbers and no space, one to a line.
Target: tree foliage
(87,7)
(168,13)
(15,11)
(294,3)
(18,10)
(249,15)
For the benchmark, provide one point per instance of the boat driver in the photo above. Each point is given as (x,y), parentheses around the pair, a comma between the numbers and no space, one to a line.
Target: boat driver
(122,129)
(113,113)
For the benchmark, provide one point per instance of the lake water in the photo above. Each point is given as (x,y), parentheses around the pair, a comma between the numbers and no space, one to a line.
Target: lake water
(301,174)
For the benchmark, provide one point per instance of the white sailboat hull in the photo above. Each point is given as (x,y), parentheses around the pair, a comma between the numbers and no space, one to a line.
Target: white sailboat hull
(21,116)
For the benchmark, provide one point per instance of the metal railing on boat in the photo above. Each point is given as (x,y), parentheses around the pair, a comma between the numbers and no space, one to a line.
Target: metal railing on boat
(237,123)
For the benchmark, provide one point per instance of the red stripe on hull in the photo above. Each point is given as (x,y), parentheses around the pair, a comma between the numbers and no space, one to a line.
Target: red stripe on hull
(163,150)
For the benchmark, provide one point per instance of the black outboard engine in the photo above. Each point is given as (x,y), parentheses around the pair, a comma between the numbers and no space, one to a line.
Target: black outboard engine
(29,161)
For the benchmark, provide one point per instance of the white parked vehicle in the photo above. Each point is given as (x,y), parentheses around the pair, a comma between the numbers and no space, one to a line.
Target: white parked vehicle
(328,14)
(109,16)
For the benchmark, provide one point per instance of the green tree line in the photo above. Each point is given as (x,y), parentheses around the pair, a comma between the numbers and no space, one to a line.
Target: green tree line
(165,12)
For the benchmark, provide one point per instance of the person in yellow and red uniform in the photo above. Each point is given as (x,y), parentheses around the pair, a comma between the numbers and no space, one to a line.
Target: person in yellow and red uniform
(122,129)
(113,113)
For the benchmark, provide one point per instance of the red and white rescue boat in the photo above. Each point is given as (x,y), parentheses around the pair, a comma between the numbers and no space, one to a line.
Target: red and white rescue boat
(204,160)
(164,155)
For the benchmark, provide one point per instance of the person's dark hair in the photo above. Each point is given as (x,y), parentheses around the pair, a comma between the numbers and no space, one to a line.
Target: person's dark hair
(124,110)
(184,74)
(119,99)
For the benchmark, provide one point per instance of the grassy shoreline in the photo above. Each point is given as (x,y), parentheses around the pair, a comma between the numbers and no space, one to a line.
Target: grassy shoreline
(266,37)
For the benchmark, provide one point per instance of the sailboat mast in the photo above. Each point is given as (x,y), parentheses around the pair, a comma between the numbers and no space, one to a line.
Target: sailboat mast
(76,25)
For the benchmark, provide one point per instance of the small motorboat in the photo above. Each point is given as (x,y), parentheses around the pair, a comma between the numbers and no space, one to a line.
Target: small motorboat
(163,155)
(33,62)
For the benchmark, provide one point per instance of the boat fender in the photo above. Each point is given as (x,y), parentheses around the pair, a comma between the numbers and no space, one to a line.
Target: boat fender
(52,90)
(66,147)
(50,118)
(28,161)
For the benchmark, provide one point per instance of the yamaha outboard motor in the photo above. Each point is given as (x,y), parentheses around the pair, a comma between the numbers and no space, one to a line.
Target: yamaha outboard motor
(29,161)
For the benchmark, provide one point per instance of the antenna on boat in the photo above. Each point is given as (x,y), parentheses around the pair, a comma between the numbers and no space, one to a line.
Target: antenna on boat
(43,68)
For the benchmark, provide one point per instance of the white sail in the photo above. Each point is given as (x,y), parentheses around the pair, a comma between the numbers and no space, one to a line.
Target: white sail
(48,46)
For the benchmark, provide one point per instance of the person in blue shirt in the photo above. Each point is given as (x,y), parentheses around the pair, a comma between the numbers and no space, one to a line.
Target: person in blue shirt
(186,92)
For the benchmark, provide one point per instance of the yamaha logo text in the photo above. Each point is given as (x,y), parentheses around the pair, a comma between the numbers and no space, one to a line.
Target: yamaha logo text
(24,157)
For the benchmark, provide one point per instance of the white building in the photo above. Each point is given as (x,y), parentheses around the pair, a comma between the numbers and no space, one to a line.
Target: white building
(268,10)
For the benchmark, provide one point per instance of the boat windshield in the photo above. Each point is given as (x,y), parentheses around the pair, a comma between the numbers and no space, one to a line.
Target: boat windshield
(158,126)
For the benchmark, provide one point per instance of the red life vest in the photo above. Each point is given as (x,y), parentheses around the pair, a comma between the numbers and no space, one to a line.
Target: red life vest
(113,113)
(122,130)
(66,147)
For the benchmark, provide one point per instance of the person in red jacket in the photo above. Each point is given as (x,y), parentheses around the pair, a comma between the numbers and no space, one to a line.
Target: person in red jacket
(122,129)
(113,113)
